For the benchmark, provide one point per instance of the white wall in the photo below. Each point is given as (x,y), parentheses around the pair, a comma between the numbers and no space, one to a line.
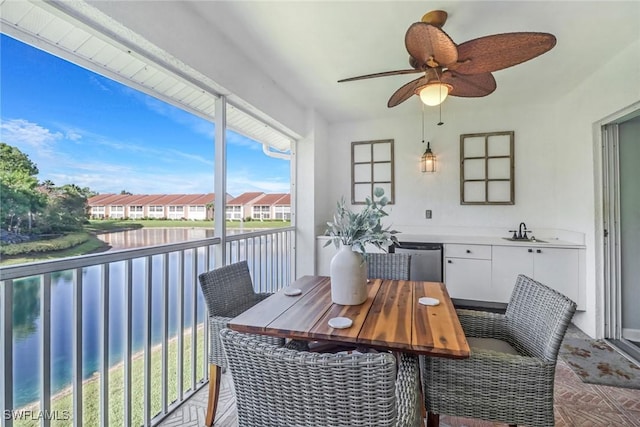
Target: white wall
(554,163)
(440,192)
(311,172)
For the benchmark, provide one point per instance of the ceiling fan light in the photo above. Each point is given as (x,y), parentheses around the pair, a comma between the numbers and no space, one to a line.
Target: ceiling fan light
(434,93)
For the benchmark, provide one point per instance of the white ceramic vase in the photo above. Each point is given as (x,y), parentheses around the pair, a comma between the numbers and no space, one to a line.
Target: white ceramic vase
(348,277)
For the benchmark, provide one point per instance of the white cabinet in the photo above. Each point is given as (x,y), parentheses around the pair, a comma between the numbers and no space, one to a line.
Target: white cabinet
(324,255)
(467,271)
(558,268)
(488,272)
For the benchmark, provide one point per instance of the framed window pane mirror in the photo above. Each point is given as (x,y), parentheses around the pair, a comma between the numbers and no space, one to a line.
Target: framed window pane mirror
(372,166)
(487,168)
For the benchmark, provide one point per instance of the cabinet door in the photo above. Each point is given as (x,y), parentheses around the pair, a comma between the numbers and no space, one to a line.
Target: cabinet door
(559,269)
(323,256)
(468,278)
(508,262)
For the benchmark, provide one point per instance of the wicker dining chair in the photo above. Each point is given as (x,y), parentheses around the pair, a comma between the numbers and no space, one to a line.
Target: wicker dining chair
(509,377)
(228,292)
(278,387)
(388,266)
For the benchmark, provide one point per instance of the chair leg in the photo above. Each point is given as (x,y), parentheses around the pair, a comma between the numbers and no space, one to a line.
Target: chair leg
(214,389)
(433,420)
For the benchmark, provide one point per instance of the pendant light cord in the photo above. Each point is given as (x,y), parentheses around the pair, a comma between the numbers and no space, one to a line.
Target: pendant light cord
(440,123)
(422,122)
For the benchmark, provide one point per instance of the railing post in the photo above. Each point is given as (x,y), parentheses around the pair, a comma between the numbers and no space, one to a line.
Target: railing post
(45,347)
(128,334)
(77,348)
(165,332)
(104,345)
(194,318)
(147,340)
(6,350)
(180,315)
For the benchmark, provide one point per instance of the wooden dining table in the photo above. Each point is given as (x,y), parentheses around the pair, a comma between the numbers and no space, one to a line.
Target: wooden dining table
(390,319)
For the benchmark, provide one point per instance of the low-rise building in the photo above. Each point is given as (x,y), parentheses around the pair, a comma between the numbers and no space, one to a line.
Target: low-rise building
(153,206)
(251,205)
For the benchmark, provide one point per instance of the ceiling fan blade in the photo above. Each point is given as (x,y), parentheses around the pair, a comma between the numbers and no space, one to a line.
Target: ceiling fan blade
(406,91)
(426,43)
(469,85)
(383,74)
(499,51)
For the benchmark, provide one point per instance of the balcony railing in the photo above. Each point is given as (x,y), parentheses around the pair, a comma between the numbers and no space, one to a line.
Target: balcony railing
(118,337)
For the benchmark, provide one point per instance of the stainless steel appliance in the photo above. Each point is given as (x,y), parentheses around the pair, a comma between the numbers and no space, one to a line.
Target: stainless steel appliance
(426,260)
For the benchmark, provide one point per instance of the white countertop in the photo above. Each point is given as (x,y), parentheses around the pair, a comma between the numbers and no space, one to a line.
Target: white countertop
(482,240)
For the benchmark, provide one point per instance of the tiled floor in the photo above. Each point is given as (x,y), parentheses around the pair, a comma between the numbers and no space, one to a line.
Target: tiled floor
(577,405)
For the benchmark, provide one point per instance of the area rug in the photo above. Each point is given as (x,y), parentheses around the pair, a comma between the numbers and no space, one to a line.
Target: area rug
(596,362)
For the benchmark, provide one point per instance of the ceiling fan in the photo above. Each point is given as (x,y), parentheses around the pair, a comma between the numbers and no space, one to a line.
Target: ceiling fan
(458,70)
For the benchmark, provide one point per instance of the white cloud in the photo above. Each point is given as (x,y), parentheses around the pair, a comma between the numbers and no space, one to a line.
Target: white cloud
(72,135)
(20,132)
(241,183)
(193,157)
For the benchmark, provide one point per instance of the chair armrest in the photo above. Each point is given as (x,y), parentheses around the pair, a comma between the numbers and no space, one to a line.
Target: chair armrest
(216,352)
(488,369)
(483,324)
(507,361)
(408,393)
(218,323)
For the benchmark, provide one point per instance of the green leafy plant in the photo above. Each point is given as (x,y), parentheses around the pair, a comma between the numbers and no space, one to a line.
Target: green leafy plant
(361,228)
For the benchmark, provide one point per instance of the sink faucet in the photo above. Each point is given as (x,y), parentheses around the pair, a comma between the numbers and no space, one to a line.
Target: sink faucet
(520,234)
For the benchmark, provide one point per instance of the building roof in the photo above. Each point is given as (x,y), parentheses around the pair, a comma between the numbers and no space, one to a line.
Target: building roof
(152,199)
(163,199)
(245,198)
(271,199)
(285,200)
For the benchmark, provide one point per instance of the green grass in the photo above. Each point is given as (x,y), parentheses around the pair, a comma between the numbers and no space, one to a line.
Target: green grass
(63,403)
(55,248)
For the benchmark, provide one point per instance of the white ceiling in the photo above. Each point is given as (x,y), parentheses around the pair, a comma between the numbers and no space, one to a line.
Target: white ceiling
(306,46)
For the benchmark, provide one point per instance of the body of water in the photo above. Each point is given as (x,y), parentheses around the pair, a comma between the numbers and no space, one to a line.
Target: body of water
(27,322)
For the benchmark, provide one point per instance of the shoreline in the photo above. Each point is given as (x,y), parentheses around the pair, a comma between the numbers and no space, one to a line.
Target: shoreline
(68,390)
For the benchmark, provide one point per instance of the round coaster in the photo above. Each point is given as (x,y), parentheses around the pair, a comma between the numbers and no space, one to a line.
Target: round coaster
(340,322)
(292,292)
(429,301)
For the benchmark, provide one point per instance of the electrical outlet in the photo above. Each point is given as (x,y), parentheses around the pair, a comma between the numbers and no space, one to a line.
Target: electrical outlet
(427,214)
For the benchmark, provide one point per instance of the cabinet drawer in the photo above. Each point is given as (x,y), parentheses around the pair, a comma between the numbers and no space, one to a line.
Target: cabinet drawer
(467,251)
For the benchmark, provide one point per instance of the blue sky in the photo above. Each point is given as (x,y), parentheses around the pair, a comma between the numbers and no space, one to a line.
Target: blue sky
(81,128)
